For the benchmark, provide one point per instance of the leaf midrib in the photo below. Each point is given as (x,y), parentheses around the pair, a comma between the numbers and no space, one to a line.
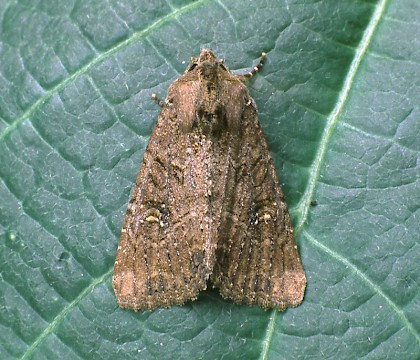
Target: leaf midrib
(304,204)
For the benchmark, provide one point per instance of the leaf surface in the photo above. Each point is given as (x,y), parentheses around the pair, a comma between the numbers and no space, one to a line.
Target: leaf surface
(338,99)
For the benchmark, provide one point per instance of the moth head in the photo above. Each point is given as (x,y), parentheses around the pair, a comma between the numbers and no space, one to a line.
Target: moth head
(208,56)
(207,64)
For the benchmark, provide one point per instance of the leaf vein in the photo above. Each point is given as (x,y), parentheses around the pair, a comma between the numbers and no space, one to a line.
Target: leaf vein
(99,59)
(410,327)
(333,119)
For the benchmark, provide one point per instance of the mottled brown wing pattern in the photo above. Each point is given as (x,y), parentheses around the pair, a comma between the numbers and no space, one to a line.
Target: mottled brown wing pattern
(207,202)
(257,260)
(165,254)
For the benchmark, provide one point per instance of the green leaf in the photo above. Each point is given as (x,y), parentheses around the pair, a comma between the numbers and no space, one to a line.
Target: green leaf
(339,102)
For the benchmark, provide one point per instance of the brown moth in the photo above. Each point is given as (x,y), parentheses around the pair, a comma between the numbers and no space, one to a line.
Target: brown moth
(207,203)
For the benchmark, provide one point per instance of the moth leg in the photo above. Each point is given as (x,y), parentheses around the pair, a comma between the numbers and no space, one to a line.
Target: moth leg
(160,102)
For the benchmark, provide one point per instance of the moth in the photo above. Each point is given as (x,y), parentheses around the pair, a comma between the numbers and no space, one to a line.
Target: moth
(207,204)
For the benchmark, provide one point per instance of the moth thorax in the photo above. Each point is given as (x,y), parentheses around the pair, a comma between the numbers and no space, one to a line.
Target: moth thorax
(211,121)
(208,71)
